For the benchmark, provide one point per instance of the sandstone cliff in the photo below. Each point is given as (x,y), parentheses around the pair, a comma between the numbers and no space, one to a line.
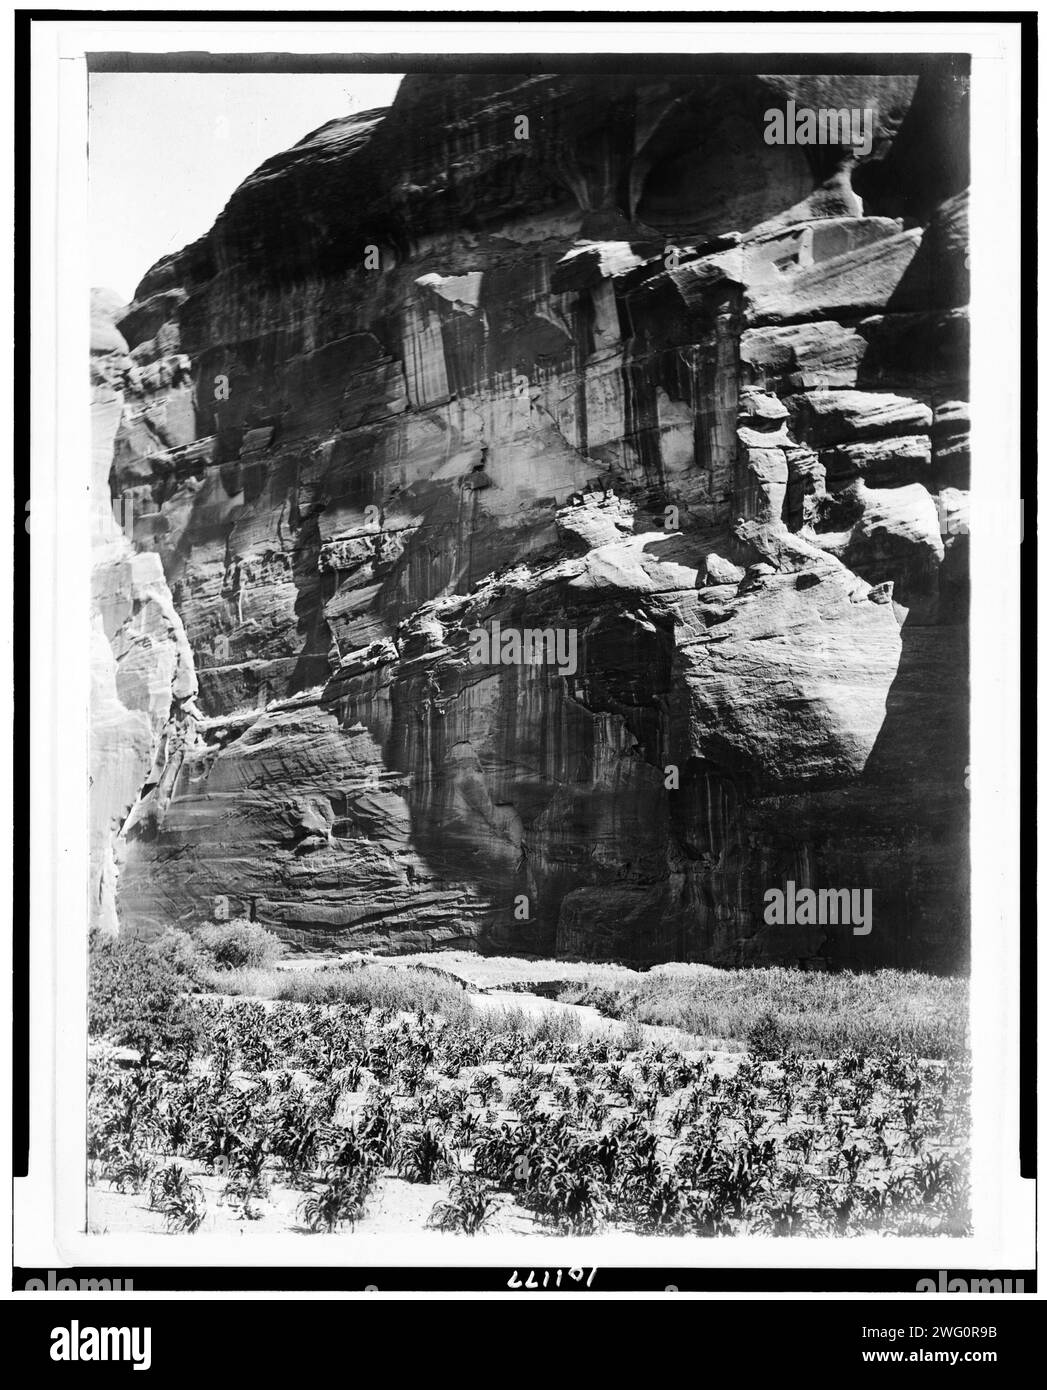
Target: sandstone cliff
(622,370)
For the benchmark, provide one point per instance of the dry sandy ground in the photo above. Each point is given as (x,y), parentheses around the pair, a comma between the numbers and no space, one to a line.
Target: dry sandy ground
(394,1207)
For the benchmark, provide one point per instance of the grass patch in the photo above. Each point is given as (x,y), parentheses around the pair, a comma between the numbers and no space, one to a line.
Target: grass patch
(814,1013)
(367,986)
(555,1026)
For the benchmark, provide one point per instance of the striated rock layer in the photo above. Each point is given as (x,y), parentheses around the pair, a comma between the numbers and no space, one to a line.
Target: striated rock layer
(621,373)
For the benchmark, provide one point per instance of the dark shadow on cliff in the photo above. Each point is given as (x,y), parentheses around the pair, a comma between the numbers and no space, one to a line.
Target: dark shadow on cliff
(918,772)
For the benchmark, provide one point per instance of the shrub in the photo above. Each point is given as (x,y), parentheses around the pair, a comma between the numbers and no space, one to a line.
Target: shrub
(239,944)
(178,949)
(765,1038)
(135,995)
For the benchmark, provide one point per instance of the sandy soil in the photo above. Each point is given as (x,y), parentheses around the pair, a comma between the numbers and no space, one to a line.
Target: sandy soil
(394,1207)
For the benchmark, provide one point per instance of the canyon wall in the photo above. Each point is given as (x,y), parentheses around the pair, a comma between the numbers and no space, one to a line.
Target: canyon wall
(579,355)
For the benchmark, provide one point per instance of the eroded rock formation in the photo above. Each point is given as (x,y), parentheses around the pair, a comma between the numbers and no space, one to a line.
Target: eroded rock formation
(640,377)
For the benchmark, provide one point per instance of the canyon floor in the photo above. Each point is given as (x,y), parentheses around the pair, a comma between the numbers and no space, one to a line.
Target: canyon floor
(384,1096)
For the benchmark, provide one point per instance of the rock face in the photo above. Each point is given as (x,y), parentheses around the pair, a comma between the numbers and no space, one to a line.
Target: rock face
(142,675)
(549,531)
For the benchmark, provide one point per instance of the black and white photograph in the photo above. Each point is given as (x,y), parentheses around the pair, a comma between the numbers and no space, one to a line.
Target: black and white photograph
(528,638)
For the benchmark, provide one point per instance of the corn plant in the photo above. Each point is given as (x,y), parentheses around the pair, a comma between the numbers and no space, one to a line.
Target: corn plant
(340,1199)
(422,1156)
(127,1171)
(466,1131)
(803,1140)
(572,1201)
(485,1087)
(241,1190)
(467,1208)
(180,1200)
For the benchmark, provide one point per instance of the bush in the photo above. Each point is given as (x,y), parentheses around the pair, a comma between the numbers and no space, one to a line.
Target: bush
(179,950)
(765,1039)
(135,995)
(239,944)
